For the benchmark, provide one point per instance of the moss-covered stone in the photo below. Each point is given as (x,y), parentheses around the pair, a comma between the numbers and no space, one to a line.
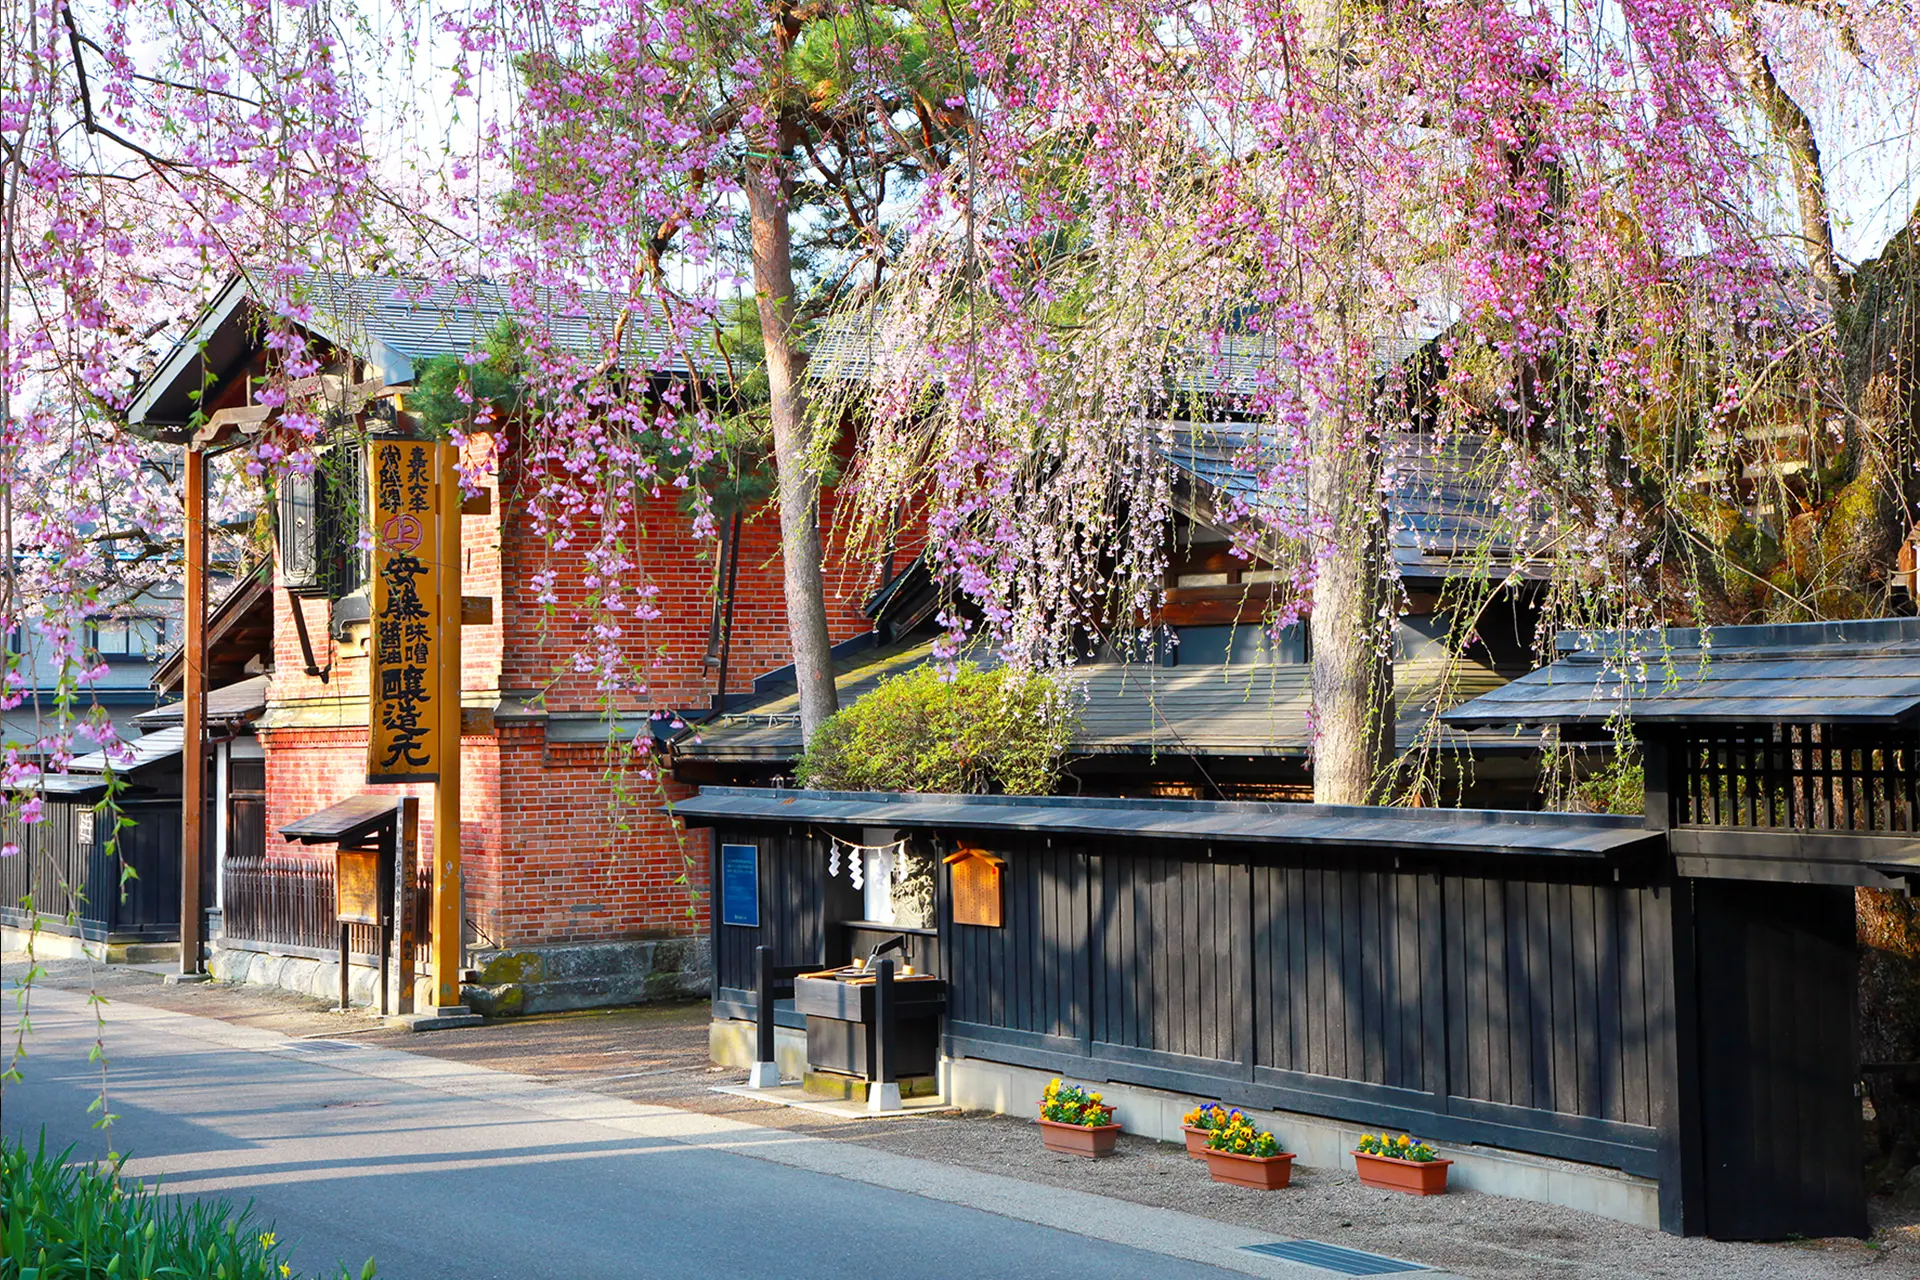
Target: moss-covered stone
(512,966)
(495,1002)
(1859,530)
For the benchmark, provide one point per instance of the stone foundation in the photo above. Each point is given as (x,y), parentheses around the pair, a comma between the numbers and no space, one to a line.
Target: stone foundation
(974,1084)
(834,1087)
(51,944)
(504,982)
(301,975)
(587,975)
(977,1085)
(731,1043)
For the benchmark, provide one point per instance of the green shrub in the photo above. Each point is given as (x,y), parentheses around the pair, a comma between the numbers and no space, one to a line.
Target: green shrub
(61,1220)
(931,730)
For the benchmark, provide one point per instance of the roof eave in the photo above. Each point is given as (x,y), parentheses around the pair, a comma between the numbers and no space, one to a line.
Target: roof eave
(179,362)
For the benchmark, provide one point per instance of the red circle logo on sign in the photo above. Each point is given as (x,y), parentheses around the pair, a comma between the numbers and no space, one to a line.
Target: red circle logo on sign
(403,532)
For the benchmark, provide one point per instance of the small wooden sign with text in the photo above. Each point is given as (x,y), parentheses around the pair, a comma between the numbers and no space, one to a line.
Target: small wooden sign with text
(975,875)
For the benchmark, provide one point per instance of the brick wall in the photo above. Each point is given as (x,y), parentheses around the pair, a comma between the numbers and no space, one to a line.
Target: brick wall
(667,653)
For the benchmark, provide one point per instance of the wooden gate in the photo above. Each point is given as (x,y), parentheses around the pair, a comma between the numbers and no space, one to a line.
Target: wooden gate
(1780,1123)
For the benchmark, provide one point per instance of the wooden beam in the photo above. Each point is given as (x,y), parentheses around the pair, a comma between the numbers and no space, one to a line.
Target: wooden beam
(350,397)
(405,935)
(222,424)
(448,916)
(1749,845)
(193,756)
(1781,870)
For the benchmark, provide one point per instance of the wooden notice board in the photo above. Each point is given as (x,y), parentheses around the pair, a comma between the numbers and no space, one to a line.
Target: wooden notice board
(357,887)
(975,878)
(405,635)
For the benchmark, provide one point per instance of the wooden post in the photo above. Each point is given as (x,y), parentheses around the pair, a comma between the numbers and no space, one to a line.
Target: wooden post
(389,897)
(193,756)
(406,840)
(447,907)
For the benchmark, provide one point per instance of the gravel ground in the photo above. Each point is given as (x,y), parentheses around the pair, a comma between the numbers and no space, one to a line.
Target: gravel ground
(658,1054)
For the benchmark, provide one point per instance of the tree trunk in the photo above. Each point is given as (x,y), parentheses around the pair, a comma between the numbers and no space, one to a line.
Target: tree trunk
(1889,928)
(1881,328)
(1351,642)
(800,550)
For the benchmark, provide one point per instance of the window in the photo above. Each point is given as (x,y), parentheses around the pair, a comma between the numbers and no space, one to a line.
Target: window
(319,526)
(129,637)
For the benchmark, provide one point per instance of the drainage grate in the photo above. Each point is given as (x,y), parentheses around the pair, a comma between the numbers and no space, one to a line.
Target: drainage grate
(1331,1257)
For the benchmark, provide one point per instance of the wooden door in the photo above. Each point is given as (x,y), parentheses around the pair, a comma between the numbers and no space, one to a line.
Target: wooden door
(1781,1135)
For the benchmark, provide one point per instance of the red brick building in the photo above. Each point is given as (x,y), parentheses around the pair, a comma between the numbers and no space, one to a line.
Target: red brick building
(578,889)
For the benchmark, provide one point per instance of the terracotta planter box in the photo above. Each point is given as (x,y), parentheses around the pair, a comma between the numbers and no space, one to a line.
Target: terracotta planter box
(1415,1177)
(1196,1141)
(1079,1139)
(1262,1173)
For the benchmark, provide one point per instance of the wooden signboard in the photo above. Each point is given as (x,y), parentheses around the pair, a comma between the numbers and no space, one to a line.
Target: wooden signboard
(357,887)
(976,887)
(404,639)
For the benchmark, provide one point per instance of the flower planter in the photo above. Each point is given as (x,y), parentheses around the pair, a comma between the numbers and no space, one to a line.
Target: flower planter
(1196,1141)
(1090,1141)
(1262,1173)
(1415,1177)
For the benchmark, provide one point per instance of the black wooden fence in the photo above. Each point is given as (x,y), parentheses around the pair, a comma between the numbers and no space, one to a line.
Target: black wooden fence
(75,876)
(1804,777)
(1471,1007)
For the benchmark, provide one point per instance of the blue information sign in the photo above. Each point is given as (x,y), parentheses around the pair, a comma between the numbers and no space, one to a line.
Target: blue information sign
(740,884)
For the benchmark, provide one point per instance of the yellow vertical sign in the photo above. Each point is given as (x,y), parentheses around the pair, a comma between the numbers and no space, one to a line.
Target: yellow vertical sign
(405,640)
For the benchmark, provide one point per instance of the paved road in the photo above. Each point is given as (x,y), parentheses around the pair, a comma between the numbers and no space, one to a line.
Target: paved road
(348,1155)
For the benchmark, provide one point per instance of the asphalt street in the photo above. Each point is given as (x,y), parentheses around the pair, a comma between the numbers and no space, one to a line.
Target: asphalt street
(348,1158)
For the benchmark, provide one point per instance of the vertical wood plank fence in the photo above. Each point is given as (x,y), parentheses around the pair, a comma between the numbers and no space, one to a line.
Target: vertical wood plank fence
(286,903)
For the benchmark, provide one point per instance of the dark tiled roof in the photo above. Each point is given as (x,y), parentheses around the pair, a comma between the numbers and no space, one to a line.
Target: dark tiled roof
(1241,822)
(392,322)
(344,822)
(243,700)
(1439,493)
(1129,709)
(1864,672)
(158,747)
(420,320)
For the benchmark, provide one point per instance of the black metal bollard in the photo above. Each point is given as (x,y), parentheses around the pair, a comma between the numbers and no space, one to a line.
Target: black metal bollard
(883,1091)
(766,1073)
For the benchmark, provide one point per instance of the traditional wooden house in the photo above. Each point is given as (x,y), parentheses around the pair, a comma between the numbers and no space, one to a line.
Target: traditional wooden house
(1221,707)
(1649,1017)
(77,885)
